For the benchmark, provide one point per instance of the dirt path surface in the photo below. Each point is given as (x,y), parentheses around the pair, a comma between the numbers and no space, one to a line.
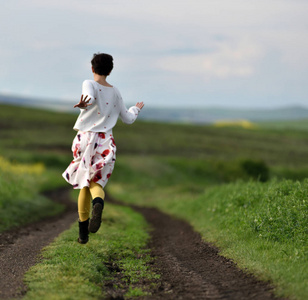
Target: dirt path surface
(191,268)
(19,248)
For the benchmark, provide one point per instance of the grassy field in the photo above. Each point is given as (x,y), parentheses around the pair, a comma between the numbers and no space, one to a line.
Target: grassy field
(242,189)
(301,125)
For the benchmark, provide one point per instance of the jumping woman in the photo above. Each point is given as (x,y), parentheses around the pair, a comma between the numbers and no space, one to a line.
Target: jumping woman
(94,148)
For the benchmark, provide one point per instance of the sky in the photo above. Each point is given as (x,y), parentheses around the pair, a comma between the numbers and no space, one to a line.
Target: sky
(197,53)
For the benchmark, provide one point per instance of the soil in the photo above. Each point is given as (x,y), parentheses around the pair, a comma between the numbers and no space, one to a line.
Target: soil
(192,269)
(189,267)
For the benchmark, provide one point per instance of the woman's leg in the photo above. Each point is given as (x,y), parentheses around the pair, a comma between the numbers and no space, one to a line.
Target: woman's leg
(96,190)
(84,204)
(98,196)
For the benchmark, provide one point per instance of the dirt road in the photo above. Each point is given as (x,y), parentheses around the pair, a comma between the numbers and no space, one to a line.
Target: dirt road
(189,267)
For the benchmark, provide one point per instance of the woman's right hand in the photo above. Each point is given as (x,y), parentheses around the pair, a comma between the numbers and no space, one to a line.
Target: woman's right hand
(83,103)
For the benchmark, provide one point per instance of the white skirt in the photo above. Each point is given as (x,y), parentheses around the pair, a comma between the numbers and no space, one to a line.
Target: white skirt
(94,158)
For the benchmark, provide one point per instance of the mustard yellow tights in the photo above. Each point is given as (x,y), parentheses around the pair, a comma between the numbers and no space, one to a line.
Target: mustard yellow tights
(84,199)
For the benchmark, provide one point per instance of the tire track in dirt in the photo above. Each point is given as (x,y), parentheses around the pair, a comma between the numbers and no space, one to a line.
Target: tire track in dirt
(191,268)
(20,248)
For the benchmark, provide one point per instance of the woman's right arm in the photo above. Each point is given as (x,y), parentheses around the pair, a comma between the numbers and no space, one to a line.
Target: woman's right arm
(128,116)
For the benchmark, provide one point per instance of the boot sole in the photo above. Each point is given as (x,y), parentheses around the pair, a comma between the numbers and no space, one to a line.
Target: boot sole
(80,241)
(96,220)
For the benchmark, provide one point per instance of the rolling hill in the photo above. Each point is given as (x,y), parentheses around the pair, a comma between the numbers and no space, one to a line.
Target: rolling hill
(180,115)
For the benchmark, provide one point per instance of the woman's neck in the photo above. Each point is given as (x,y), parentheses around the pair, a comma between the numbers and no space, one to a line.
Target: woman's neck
(101,79)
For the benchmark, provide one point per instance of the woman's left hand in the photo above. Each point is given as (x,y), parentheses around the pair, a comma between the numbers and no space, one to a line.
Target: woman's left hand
(83,103)
(140,105)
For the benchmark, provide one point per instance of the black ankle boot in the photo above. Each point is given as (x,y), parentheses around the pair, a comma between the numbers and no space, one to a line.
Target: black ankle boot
(83,232)
(97,210)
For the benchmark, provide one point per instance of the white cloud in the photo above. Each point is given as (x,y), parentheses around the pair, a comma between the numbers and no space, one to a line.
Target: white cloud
(228,60)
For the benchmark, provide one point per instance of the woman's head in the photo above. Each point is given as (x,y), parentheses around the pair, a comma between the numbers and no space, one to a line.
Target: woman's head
(102,63)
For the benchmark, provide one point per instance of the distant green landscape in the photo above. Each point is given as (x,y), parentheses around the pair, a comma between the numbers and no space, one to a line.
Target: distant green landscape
(245,190)
(192,115)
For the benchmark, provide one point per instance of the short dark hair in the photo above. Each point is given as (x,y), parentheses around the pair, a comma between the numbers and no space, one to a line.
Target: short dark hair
(102,63)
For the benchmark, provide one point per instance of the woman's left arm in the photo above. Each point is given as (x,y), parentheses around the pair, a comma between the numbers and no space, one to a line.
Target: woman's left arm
(84,102)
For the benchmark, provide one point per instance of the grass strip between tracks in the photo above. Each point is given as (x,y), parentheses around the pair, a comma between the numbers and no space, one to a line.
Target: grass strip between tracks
(115,258)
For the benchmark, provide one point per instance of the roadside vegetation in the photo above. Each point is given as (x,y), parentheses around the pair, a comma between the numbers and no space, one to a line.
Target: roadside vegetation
(243,189)
(20,198)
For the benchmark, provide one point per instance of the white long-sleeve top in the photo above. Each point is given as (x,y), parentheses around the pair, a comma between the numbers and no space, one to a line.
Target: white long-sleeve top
(107,106)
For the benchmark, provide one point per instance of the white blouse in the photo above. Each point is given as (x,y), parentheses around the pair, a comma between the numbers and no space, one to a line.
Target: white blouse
(107,106)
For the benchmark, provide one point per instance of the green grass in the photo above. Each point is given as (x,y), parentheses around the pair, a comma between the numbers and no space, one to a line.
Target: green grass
(38,135)
(301,125)
(199,173)
(273,146)
(262,226)
(20,198)
(29,136)
(69,270)
(34,135)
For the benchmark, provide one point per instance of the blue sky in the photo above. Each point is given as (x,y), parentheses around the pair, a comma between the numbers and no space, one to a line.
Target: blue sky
(240,53)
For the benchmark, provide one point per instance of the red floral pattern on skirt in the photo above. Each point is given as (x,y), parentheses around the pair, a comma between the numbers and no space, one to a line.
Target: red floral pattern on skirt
(94,158)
